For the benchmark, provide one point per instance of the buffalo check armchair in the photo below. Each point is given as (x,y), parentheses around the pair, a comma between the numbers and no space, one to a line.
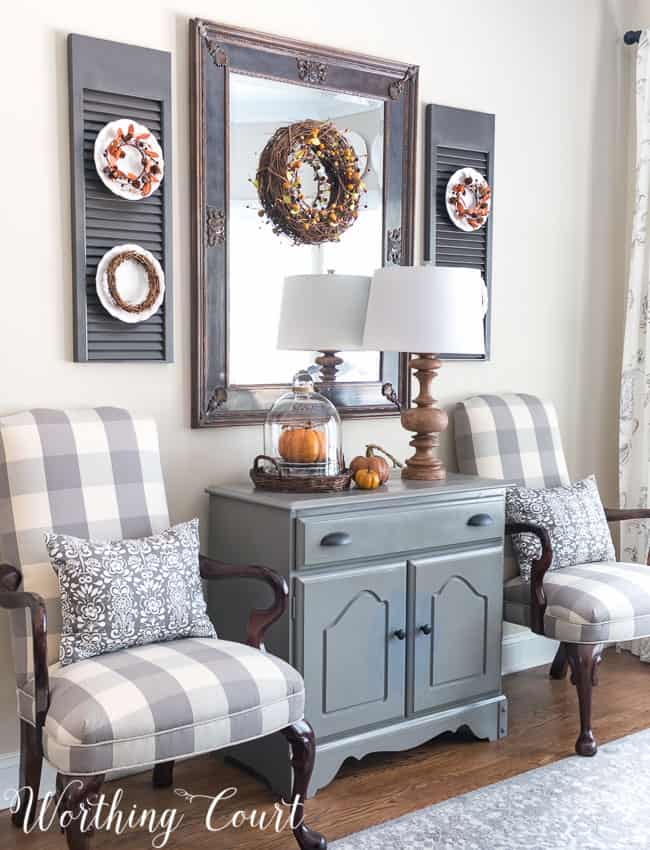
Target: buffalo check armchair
(516,437)
(96,474)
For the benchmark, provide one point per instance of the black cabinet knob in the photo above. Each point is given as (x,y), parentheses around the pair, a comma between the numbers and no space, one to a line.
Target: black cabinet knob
(336,538)
(480,520)
(426,630)
(400,634)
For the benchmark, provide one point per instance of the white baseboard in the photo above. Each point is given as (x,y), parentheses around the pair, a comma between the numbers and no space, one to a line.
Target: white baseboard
(9,778)
(523,649)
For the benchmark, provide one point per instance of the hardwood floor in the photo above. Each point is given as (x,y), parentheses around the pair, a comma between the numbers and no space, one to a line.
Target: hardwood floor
(543,728)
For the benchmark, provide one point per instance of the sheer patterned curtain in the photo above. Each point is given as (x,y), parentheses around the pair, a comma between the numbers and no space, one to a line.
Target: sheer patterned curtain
(634,417)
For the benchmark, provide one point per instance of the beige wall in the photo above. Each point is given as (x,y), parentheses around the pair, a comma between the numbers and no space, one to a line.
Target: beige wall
(549,69)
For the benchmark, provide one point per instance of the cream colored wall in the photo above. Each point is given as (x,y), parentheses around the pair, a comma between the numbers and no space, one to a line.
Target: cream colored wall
(549,69)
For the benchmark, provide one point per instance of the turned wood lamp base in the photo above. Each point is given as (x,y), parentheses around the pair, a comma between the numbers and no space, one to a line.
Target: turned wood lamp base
(329,364)
(427,422)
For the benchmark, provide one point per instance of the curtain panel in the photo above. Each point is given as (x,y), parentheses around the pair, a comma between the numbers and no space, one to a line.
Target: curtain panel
(634,415)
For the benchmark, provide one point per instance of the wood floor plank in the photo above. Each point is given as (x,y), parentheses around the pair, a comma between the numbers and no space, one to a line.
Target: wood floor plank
(543,726)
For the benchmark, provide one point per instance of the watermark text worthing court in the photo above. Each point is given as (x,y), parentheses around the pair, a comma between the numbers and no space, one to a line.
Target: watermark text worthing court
(104,813)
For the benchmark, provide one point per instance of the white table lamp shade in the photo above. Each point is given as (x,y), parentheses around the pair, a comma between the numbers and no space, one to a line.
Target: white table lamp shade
(323,312)
(429,309)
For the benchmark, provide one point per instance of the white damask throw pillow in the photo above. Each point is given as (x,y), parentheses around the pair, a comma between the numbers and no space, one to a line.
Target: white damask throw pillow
(123,593)
(574,517)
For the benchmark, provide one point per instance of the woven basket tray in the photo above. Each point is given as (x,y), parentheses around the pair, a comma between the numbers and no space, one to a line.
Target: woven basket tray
(282,483)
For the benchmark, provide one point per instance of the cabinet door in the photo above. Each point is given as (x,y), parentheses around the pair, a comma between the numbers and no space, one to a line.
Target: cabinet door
(456,614)
(347,649)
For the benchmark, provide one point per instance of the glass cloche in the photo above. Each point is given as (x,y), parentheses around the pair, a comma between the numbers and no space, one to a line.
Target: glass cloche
(302,432)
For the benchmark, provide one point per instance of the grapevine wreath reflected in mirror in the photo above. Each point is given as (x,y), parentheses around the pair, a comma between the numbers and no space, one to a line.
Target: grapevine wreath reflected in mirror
(335,206)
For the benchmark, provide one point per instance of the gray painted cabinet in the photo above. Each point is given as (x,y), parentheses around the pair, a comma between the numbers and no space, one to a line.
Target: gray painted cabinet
(395,613)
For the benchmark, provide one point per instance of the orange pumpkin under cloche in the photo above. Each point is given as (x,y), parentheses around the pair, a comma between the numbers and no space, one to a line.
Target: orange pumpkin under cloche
(373,463)
(303,445)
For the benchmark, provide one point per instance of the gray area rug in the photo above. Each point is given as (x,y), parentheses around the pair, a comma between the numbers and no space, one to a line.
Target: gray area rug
(600,803)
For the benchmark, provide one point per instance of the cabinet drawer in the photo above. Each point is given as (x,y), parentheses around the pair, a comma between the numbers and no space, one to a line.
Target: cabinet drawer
(346,537)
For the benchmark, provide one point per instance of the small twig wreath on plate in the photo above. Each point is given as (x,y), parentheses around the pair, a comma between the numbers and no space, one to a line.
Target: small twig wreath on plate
(468,199)
(339,186)
(152,280)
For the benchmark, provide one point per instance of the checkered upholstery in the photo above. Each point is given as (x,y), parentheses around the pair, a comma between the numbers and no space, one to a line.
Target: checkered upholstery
(590,603)
(514,437)
(96,474)
(164,701)
(90,473)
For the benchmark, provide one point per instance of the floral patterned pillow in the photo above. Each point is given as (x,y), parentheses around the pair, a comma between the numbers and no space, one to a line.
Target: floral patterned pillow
(126,593)
(574,517)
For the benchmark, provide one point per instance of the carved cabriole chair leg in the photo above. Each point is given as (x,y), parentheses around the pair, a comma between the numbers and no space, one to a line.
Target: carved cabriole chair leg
(560,663)
(303,752)
(584,659)
(163,774)
(73,792)
(31,763)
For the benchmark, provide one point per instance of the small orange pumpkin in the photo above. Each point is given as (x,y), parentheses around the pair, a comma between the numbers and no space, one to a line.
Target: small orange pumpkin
(367,479)
(370,461)
(303,445)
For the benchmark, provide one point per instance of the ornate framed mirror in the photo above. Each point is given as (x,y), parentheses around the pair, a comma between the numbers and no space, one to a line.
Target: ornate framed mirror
(245,87)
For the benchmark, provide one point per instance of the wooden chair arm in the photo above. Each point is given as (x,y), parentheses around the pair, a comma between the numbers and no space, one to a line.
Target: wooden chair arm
(621,514)
(538,569)
(260,618)
(12,599)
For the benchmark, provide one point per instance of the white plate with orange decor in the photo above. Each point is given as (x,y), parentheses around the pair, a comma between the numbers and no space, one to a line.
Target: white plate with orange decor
(469,198)
(129,159)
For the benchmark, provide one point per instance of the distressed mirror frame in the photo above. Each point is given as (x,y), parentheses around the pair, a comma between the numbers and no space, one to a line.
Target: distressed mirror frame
(214,51)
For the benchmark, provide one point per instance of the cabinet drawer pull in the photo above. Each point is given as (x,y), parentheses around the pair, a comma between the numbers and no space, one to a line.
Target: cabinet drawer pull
(480,520)
(336,538)
(400,634)
(426,630)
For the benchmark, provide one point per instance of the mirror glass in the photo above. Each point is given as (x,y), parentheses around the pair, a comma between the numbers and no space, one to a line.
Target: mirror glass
(258,259)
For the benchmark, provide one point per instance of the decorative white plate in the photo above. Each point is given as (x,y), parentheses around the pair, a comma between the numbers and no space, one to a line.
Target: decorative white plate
(140,166)
(474,182)
(360,148)
(132,284)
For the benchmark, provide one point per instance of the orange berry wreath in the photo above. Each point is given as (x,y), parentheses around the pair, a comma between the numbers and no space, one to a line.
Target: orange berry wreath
(339,187)
(468,199)
(128,159)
